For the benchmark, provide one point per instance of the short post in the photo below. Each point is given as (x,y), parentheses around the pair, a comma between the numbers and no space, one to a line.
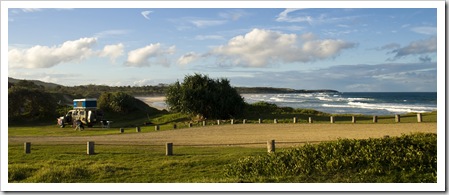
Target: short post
(174,126)
(218,122)
(275,121)
(122,130)
(190,124)
(419,117)
(310,120)
(332,119)
(232,121)
(204,123)
(90,148)
(137,129)
(397,118)
(353,119)
(169,149)
(271,146)
(244,121)
(27,147)
(260,121)
(294,120)
(374,119)
(157,128)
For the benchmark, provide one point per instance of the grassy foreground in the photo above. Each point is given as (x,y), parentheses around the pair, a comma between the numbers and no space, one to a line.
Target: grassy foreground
(123,164)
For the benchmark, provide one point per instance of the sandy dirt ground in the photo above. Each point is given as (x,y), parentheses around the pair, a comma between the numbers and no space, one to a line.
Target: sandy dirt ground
(248,135)
(155,102)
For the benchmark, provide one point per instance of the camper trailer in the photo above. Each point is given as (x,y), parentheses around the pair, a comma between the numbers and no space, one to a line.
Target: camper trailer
(84,110)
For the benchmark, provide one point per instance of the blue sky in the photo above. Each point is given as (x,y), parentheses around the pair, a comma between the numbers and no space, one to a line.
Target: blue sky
(353,49)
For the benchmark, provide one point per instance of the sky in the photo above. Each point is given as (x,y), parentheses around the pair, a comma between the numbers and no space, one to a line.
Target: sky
(345,49)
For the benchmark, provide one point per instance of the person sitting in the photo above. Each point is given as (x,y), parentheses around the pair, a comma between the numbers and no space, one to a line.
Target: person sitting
(79,125)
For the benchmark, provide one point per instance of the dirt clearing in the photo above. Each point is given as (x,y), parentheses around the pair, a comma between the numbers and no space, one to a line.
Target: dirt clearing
(245,135)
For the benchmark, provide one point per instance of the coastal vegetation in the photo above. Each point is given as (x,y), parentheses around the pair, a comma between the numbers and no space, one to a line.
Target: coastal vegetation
(365,158)
(204,97)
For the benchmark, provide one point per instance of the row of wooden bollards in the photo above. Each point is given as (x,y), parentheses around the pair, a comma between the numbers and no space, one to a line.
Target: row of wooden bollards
(168,147)
(271,147)
(295,120)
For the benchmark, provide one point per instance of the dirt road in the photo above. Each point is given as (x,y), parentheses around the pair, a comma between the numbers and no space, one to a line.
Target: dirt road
(245,135)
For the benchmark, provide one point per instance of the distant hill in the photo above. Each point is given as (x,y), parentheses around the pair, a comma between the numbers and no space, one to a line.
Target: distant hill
(37,82)
(161,88)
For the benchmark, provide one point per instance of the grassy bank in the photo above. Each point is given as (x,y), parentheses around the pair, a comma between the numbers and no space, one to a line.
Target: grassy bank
(122,164)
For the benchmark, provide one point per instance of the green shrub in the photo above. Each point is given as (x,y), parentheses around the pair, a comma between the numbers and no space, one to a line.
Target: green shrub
(409,158)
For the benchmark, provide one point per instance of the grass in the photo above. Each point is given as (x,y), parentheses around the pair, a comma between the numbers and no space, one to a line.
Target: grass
(123,164)
(167,120)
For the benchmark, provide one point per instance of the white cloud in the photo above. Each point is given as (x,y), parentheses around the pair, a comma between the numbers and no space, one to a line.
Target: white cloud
(27,10)
(188,58)
(260,48)
(149,55)
(233,14)
(114,32)
(206,23)
(208,37)
(146,14)
(283,16)
(112,51)
(143,82)
(44,57)
(426,30)
(417,48)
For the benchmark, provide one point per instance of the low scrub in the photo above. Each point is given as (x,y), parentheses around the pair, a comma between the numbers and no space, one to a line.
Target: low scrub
(409,158)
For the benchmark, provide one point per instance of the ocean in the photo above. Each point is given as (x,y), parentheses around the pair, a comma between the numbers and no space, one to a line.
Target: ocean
(367,103)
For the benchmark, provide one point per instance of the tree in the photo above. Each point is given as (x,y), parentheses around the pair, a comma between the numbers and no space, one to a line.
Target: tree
(124,103)
(205,97)
(30,104)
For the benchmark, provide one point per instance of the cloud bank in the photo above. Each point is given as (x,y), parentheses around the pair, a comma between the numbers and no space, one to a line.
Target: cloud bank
(260,48)
(425,46)
(153,54)
(46,57)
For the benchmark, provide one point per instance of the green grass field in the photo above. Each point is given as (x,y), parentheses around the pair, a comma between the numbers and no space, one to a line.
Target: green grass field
(123,164)
(115,163)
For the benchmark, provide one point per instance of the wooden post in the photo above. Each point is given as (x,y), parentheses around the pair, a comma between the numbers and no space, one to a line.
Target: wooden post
(232,121)
(169,149)
(353,119)
(260,121)
(397,118)
(122,130)
(271,146)
(374,119)
(90,148)
(244,121)
(332,119)
(218,122)
(275,121)
(204,123)
(310,120)
(190,124)
(294,120)
(27,147)
(174,126)
(419,117)
(137,129)
(157,128)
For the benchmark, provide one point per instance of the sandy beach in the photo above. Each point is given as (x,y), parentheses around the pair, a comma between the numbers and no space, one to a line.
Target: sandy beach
(157,102)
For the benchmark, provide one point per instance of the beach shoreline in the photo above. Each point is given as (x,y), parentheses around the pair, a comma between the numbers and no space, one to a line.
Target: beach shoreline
(157,102)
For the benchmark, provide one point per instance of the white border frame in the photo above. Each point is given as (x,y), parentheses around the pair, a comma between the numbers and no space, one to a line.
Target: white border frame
(441,85)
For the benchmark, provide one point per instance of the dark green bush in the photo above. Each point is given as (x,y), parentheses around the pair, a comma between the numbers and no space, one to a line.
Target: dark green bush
(409,158)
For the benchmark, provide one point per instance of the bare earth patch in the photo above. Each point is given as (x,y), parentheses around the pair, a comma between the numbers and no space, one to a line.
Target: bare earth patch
(245,135)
